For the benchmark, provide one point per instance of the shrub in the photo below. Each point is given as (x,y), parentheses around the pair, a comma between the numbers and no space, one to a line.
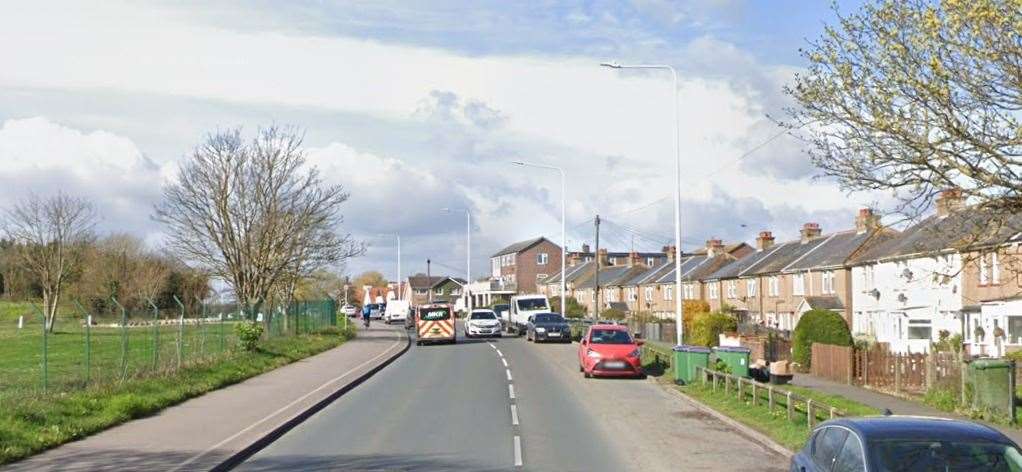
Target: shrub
(249,333)
(818,326)
(707,327)
(612,314)
(692,310)
(573,308)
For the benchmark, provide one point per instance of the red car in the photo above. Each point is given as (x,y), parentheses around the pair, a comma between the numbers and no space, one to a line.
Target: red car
(609,350)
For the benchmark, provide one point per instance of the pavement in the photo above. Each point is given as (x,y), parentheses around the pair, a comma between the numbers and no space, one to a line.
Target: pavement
(505,404)
(881,401)
(202,433)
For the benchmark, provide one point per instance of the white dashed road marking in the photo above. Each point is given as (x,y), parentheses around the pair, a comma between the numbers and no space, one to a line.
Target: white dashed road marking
(508,374)
(511,391)
(514,415)
(518,451)
(514,409)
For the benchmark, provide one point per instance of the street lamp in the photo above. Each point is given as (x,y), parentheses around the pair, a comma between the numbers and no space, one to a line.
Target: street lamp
(564,237)
(677,189)
(468,255)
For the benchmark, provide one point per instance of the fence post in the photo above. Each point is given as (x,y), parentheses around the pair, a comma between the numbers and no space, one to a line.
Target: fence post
(222,347)
(180,329)
(809,412)
(156,335)
(770,398)
(714,374)
(930,368)
(865,367)
(202,324)
(897,373)
(754,399)
(124,338)
(46,348)
(832,412)
(791,406)
(739,379)
(88,340)
(850,359)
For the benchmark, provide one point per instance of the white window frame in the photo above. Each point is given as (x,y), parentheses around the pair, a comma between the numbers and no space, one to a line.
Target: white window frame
(732,289)
(668,292)
(774,285)
(542,258)
(828,282)
(995,269)
(984,278)
(648,293)
(712,290)
(438,291)
(751,287)
(798,283)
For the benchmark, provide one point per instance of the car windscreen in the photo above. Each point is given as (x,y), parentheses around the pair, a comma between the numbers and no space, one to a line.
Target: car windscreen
(610,336)
(532,304)
(433,314)
(913,455)
(550,318)
(482,315)
(500,308)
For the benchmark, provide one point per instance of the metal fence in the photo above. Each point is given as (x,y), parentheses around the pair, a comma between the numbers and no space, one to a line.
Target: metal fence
(96,347)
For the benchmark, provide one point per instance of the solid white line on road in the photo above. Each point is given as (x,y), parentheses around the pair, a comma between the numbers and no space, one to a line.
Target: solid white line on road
(511,391)
(518,451)
(401,337)
(514,415)
(504,361)
(491,345)
(508,374)
(501,354)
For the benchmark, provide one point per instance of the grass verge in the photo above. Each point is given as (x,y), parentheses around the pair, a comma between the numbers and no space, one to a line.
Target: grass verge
(774,424)
(35,424)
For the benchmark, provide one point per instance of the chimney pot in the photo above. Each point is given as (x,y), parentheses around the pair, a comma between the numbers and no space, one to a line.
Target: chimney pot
(765,240)
(810,231)
(866,220)
(714,247)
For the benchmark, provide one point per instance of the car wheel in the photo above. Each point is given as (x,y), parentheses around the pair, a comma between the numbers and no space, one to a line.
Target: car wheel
(587,374)
(418,343)
(581,369)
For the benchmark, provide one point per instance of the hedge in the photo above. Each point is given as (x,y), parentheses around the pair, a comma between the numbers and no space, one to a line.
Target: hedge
(707,327)
(818,326)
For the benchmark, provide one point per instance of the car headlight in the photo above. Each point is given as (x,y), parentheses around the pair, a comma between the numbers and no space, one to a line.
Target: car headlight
(540,330)
(635,353)
(593,354)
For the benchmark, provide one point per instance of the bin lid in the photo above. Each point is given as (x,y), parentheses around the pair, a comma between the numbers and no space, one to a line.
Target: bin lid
(981,364)
(735,349)
(691,348)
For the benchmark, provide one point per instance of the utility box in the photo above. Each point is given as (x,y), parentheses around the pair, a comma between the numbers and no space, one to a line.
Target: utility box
(993,386)
(736,358)
(686,359)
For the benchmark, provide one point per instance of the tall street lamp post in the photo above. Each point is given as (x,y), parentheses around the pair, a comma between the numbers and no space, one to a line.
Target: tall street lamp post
(677,189)
(564,234)
(468,256)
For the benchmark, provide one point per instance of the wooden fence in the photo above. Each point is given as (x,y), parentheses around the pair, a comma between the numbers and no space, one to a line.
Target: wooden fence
(795,406)
(881,369)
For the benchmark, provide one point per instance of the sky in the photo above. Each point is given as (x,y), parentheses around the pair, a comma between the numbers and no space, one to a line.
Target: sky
(418,106)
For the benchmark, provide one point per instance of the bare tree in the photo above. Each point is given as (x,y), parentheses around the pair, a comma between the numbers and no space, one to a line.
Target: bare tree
(254,213)
(151,274)
(52,234)
(916,96)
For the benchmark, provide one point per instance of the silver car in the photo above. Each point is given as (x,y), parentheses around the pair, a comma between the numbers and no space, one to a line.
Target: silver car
(482,323)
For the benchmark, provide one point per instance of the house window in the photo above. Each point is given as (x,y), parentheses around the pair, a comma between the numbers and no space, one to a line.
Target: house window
(438,291)
(668,292)
(828,282)
(649,293)
(750,287)
(732,290)
(455,291)
(612,260)
(633,294)
(650,261)
(421,291)
(774,285)
(920,329)
(798,286)
(541,276)
(1015,330)
(712,288)
(995,269)
(983,277)
(867,277)
(689,292)
(542,258)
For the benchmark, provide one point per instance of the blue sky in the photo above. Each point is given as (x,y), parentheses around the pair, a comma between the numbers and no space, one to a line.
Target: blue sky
(414,108)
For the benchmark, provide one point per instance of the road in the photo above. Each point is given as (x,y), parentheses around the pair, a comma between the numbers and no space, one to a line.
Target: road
(458,407)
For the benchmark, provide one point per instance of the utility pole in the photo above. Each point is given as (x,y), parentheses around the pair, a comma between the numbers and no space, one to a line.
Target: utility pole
(429,283)
(597,281)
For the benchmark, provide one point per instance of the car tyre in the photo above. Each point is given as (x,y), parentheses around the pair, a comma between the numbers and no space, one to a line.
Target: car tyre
(587,374)
(581,369)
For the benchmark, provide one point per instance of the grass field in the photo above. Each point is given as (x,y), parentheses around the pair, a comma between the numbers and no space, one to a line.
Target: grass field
(32,423)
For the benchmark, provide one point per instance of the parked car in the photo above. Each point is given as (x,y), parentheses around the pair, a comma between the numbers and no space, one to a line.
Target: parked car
(502,310)
(611,351)
(909,443)
(547,327)
(375,311)
(522,308)
(349,310)
(482,322)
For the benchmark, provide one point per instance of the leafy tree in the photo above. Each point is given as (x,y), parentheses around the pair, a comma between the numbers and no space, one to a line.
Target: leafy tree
(912,97)
(818,326)
(572,306)
(612,314)
(372,278)
(707,327)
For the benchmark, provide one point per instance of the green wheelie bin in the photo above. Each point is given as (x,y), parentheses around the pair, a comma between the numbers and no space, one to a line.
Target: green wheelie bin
(686,359)
(736,357)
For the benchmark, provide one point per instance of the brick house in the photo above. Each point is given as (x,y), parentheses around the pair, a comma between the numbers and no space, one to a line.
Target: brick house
(444,289)
(992,297)
(525,264)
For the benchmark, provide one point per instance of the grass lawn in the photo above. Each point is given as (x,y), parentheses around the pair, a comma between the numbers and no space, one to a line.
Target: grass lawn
(775,424)
(32,423)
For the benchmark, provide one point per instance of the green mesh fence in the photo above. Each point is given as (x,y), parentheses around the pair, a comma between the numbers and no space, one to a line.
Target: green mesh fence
(90,346)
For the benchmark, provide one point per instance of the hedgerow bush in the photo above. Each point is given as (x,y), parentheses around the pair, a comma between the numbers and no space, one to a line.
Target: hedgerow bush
(707,327)
(818,326)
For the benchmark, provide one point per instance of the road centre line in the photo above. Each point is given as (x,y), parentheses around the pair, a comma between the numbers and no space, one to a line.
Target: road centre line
(504,361)
(508,374)
(511,391)
(518,451)
(501,354)
(514,414)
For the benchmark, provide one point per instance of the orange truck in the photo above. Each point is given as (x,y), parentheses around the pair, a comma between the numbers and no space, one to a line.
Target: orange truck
(434,323)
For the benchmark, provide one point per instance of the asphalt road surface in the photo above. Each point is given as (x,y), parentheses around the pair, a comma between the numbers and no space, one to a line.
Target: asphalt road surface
(459,407)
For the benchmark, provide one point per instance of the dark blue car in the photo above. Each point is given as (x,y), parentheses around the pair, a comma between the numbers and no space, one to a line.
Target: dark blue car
(906,443)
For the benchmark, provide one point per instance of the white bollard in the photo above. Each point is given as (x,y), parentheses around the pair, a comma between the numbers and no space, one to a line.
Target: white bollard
(21,321)
(88,320)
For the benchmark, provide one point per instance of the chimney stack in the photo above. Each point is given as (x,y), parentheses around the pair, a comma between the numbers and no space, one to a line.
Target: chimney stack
(574,259)
(669,250)
(602,258)
(765,240)
(714,247)
(949,201)
(634,259)
(866,220)
(810,231)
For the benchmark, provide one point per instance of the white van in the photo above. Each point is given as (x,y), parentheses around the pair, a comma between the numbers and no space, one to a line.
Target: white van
(397,311)
(524,306)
